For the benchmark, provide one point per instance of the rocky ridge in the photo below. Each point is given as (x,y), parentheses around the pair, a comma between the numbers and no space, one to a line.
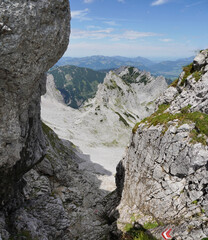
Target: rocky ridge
(126,95)
(164,177)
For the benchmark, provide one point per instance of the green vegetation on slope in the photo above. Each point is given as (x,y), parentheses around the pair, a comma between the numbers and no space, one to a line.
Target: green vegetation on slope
(76,84)
(174,83)
(141,233)
(161,117)
(132,75)
(188,71)
(122,119)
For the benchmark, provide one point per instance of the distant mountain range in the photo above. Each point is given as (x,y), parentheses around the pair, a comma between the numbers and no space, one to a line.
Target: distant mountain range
(169,69)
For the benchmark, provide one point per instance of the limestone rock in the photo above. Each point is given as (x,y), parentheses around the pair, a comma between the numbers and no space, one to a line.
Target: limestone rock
(61,201)
(165,174)
(31,42)
(200,60)
(126,96)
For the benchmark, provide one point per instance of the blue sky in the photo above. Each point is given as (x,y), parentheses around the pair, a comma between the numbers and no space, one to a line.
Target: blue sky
(149,28)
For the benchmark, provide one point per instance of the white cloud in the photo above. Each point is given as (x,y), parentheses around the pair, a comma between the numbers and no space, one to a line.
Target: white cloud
(166,40)
(122,1)
(93,27)
(132,35)
(91,34)
(88,1)
(80,14)
(111,23)
(159,2)
(111,34)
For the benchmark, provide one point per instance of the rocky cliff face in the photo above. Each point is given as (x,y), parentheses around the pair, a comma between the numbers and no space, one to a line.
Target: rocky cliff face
(43,193)
(31,42)
(59,201)
(164,176)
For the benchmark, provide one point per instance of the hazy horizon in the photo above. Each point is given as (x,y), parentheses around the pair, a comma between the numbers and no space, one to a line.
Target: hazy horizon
(154,59)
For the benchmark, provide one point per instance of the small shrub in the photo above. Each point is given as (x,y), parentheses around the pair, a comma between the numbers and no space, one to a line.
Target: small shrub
(186,109)
(197,75)
(195,202)
(174,83)
(122,119)
(196,137)
(144,236)
(150,225)
(190,227)
(188,71)
(135,234)
(128,227)
(202,210)
(24,234)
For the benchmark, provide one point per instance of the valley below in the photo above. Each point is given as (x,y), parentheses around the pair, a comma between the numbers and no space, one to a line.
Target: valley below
(97,155)
(68,124)
(101,128)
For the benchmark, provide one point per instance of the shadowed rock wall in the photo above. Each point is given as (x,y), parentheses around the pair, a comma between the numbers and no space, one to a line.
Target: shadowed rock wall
(33,36)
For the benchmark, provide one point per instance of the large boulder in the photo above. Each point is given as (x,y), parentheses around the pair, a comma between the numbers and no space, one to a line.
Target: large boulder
(33,36)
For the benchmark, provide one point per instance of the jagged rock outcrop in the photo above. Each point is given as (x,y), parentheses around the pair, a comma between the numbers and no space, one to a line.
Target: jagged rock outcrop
(165,171)
(129,91)
(32,41)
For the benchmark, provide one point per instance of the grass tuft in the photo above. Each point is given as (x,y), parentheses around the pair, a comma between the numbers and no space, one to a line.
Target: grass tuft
(197,75)
(188,71)
(150,225)
(174,83)
(160,117)
(132,233)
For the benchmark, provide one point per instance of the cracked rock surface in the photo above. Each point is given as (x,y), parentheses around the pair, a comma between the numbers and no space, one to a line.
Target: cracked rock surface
(31,41)
(165,170)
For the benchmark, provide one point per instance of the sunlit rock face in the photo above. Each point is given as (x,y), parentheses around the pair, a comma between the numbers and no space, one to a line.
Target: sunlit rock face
(33,36)
(165,171)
